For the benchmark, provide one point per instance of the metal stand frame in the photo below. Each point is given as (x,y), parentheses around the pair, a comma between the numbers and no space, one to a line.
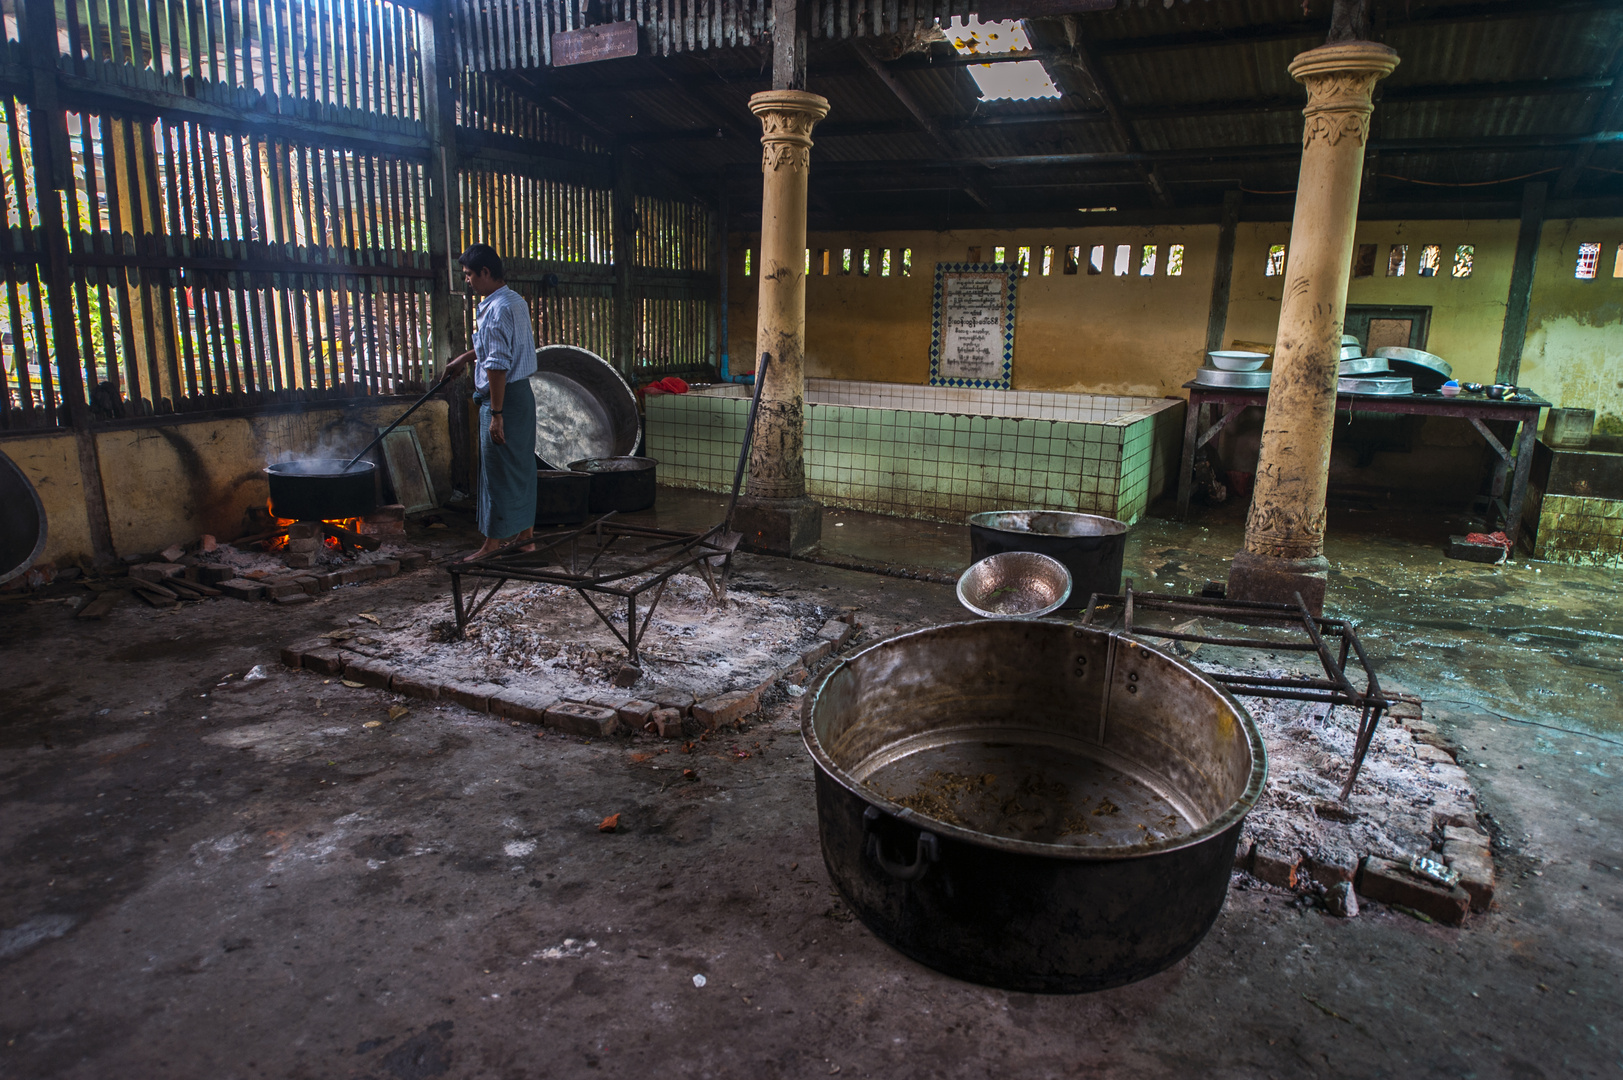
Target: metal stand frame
(1334,689)
(671,553)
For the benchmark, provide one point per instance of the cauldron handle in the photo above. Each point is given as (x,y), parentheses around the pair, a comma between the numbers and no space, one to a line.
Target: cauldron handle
(928,851)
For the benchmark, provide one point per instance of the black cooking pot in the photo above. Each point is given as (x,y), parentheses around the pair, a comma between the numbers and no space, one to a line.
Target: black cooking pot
(621,484)
(562,497)
(1029,804)
(22,521)
(322,489)
(1091,547)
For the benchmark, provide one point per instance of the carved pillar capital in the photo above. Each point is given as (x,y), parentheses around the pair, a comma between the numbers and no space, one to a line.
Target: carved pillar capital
(787,119)
(1340,81)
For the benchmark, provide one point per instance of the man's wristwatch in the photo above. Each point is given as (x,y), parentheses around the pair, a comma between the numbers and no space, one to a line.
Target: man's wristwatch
(495,412)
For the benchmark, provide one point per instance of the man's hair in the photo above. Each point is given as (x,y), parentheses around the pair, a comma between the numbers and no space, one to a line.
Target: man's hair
(482,257)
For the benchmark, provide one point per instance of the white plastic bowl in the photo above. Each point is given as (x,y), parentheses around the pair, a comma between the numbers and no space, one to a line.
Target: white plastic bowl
(1237,361)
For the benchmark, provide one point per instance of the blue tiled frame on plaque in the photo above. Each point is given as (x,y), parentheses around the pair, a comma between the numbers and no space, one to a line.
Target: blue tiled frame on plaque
(941,270)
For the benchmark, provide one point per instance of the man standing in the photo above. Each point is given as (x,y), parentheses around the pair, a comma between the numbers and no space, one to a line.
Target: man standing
(503,358)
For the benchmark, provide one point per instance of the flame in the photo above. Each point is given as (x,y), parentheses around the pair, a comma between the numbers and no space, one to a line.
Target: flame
(279,543)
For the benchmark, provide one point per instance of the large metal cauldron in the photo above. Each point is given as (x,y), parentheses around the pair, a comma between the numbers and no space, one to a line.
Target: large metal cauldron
(322,489)
(22,522)
(1030,804)
(1091,547)
(620,484)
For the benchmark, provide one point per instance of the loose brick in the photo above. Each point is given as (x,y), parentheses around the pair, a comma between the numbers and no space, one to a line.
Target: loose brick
(816,654)
(416,686)
(172,553)
(1404,710)
(1330,868)
(627,676)
(579,718)
(1452,813)
(1392,883)
(1475,864)
(836,633)
(241,589)
(292,598)
(634,714)
(211,575)
(1274,866)
(519,705)
(322,659)
(796,676)
(158,572)
(475,696)
(383,529)
(299,560)
(667,723)
(279,587)
(303,530)
(1463,834)
(307,584)
(354,575)
(390,512)
(680,700)
(1433,754)
(413,560)
(387,568)
(369,672)
(1440,741)
(293,655)
(726,708)
(305,545)
(330,579)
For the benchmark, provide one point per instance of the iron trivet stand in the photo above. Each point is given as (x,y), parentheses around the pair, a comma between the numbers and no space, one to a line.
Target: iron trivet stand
(1334,689)
(670,553)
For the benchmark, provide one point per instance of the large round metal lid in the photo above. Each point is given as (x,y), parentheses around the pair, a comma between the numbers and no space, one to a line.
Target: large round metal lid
(22,521)
(583,408)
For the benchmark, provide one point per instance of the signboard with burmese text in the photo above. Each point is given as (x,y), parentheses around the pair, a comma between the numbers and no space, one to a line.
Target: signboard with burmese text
(972,325)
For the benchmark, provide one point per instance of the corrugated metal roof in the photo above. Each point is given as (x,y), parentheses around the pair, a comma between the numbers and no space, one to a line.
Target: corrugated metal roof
(1202,88)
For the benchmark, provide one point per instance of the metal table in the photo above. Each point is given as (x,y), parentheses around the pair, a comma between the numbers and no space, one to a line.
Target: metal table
(1472,407)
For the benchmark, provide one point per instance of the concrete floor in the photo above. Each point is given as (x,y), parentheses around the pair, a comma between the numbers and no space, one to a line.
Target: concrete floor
(238,881)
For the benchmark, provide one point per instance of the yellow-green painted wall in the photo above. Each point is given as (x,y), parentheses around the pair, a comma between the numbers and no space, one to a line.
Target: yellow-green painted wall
(1081,332)
(1574,349)
(171,483)
(1109,334)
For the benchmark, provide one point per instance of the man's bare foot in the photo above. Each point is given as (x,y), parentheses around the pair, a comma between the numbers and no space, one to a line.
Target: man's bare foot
(489,547)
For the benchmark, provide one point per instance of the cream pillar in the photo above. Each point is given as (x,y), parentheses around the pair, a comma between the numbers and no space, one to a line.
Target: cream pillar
(1284,535)
(776,516)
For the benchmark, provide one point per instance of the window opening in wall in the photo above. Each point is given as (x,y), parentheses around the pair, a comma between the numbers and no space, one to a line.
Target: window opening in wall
(1096,259)
(845,261)
(867,261)
(1276,261)
(1588,261)
(748,261)
(1175,261)
(1023,258)
(1146,262)
(1431,260)
(1364,260)
(907,262)
(998,254)
(822,257)
(974,255)
(808,262)
(1617,263)
(1048,260)
(1464,259)
(1124,259)
(1397,260)
(884,262)
(1073,258)
(1016,80)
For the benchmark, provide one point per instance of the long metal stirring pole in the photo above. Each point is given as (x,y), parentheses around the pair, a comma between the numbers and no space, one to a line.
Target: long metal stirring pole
(401,419)
(749,435)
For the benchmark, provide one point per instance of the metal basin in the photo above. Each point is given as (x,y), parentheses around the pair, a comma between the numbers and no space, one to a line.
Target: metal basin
(1030,804)
(1230,360)
(583,408)
(1428,370)
(1233,380)
(562,497)
(1014,584)
(1091,547)
(620,484)
(1365,365)
(1377,386)
(22,521)
(322,489)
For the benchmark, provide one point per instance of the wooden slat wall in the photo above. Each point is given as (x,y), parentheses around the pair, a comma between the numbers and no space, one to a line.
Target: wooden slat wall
(248,216)
(494,35)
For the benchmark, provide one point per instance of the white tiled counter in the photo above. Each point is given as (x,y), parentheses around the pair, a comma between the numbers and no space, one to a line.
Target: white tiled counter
(937,453)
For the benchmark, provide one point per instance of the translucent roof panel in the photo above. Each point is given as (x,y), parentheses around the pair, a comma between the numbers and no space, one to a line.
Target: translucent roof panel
(1018,80)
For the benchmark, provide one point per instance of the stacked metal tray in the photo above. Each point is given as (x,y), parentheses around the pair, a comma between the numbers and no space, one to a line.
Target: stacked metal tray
(1375,385)
(1233,380)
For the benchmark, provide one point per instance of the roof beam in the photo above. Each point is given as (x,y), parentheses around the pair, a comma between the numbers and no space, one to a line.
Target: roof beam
(1606,114)
(925,121)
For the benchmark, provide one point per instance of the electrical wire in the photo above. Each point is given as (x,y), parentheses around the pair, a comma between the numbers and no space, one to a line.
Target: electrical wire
(1501,714)
(1440,183)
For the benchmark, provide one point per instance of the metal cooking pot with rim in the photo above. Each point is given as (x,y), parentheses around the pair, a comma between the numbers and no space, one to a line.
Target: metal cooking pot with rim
(1091,547)
(620,484)
(322,489)
(1029,804)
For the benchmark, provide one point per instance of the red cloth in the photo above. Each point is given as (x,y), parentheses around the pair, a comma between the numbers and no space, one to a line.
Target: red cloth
(672,385)
(1497,539)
